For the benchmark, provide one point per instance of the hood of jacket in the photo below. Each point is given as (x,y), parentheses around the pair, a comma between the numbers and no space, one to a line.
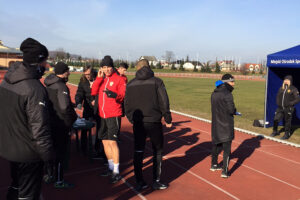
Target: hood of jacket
(51,79)
(223,87)
(20,71)
(144,73)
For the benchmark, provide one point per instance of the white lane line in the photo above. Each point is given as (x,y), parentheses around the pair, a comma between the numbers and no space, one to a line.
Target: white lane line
(275,155)
(132,188)
(277,179)
(197,176)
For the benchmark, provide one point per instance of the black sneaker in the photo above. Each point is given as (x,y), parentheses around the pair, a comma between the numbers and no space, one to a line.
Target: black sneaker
(106,173)
(157,185)
(48,179)
(215,167)
(224,174)
(285,137)
(115,178)
(274,134)
(141,186)
(63,185)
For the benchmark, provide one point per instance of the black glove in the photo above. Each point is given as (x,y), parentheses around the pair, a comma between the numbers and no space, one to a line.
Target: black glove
(110,94)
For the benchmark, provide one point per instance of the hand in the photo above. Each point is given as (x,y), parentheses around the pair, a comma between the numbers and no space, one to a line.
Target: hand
(110,94)
(79,106)
(168,125)
(100,73)
(93,102)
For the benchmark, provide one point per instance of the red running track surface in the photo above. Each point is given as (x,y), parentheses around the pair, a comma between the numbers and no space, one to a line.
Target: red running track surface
(261,169)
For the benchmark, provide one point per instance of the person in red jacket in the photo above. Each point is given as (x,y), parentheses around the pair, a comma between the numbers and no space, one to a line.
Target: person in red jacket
(111,90)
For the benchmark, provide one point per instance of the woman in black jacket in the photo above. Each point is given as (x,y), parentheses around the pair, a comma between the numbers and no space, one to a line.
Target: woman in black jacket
(83,97)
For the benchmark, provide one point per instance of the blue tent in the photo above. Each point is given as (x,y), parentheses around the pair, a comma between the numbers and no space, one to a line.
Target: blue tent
(280,64)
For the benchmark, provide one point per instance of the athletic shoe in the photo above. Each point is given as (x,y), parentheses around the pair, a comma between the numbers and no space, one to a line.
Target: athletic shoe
(141,186)
(285,137)
(63,185)
(106,173)
(48,179)
(115,178)
(215,167)
(157,185)
(224,174)
(274,134)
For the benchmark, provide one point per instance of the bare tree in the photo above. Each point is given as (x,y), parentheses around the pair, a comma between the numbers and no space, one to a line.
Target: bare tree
(169,56)
(60,54)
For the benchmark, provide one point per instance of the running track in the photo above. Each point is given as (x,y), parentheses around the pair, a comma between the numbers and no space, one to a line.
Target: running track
(261,169)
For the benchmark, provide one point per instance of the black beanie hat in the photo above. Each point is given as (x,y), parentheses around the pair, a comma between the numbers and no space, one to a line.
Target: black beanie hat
(289,77)
(227,78)
(107,61)
(33,51)
(61,68)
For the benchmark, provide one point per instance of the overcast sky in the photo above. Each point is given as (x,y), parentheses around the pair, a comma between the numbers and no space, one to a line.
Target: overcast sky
(245,30)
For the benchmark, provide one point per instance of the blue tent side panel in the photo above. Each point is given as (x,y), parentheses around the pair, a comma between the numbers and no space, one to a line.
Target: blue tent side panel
(286,58)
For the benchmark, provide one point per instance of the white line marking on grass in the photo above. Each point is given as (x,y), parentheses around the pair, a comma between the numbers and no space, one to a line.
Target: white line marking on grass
(132,188)
(197,176)
(241,130)
(277,179)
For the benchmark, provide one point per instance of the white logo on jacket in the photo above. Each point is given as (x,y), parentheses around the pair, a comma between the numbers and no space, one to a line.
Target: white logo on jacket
(111,84)
(42,103)
(64,92)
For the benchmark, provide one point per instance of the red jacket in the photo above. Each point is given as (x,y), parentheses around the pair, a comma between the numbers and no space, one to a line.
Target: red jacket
(109,107)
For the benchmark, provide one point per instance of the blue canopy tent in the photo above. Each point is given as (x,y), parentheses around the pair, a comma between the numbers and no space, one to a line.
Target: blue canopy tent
(280,64)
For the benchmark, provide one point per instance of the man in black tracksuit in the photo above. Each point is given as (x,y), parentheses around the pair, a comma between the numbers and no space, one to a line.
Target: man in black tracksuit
(25,136)
(287,98)
(222,127)
(146,102)
(62,117)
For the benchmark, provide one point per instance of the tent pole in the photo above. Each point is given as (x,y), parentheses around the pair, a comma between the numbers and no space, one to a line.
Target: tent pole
(266,94)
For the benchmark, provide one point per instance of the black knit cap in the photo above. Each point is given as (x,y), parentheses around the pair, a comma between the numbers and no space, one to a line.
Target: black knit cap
(227,78)
(289,77)
(61,68)
(107,61)
(33,51)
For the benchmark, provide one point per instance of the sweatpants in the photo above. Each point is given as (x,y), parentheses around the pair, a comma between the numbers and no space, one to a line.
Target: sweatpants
(216,150)
(26,180)
(155,133)
(287,115)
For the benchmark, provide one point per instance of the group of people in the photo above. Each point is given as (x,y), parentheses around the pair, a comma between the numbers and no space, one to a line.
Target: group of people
(36,120)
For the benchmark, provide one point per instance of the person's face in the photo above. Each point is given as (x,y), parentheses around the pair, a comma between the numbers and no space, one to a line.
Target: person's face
(232,83)
(107,70)
(287,81)
(66,75)
(88,74)
(122,70)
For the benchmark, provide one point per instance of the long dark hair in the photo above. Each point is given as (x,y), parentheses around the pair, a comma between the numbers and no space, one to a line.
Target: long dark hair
(85,68)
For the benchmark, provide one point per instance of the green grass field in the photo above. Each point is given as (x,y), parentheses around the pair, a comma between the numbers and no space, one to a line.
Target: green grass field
(192,96)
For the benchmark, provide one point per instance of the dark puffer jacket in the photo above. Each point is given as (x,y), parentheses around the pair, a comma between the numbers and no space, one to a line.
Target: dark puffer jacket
(287,96)
(222,109)
(146,98)
(62,112)
(25,134)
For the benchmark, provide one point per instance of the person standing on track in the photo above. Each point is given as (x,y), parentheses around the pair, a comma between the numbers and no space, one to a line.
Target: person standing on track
(287,98)
(111,90)
(25,136)
(146,102)
(222,127)
(63,116)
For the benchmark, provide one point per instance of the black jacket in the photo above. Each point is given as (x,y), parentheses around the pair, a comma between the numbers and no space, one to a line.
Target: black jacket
(83,96)
(25,134)
(222,109)
(62,112)
(146,98)
(287,97)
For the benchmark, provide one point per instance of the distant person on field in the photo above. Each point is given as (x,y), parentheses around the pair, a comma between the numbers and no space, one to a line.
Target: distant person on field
(222,127)
(25,136)
(287,98)
(146,102)
(62,118)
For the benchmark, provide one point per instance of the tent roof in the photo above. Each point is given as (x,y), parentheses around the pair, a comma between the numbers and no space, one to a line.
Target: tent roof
(286,58)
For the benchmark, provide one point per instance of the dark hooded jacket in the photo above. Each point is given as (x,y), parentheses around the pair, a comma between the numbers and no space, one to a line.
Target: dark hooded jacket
(25,134)
(146,98)
(62,112)
(287,96)
(222,109)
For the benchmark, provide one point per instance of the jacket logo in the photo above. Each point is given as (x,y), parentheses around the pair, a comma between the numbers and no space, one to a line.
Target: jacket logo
(64,92)
(42,103)
(111,84)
